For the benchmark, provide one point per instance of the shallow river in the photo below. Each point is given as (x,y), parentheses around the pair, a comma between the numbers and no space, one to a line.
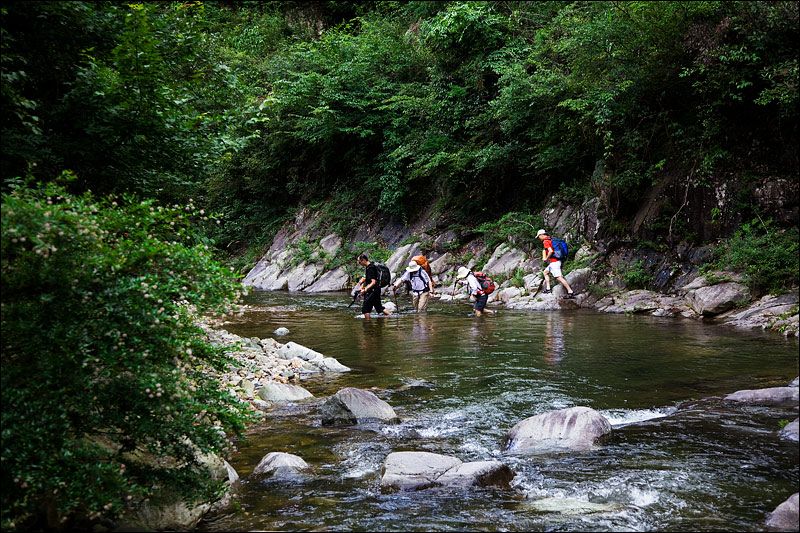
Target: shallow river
(678,457)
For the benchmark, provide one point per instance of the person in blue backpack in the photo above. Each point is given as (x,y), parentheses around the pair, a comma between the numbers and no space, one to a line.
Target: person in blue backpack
(552,262)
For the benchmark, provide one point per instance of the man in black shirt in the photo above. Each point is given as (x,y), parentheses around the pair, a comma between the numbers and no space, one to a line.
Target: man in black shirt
(370,287)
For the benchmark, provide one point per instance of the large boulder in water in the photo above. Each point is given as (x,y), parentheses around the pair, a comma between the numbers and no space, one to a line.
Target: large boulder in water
(769,396)
(355,406)
(791,431)
(280,464)
(785,517)
(421,470)
(576,428)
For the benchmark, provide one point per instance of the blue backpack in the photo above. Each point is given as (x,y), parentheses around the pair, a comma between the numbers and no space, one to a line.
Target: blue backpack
(560,249)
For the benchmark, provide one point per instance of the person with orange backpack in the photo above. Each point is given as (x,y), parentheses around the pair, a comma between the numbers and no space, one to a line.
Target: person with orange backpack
(479,286)
(422,261)
(419,285)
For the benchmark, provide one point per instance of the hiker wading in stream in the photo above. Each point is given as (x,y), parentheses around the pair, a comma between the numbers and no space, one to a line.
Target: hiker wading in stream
(421,285)
(371,287)
(475,290)
(552,265)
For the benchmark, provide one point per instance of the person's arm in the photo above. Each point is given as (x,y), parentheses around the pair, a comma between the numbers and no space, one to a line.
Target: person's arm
(431,283)
(400,280)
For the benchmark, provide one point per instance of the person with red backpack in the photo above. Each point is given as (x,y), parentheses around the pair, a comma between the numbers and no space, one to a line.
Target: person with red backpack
(480,286)
(553,260)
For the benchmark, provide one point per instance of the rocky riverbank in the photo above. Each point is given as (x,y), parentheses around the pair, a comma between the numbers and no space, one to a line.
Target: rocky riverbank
(678,286)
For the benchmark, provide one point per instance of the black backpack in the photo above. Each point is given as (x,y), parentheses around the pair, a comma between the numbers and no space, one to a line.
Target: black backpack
(384,276)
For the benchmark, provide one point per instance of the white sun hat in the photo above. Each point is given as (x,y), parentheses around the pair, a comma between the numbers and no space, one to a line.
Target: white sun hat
(541,232)
(462,273)
(412,266)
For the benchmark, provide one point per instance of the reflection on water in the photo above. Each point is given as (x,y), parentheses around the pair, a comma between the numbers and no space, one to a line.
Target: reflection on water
(459,384)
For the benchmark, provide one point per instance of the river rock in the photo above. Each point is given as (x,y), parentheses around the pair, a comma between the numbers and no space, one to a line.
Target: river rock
(421,470)
(355,406)
(769,396)
(715,299)
(281,332)
(791,431)
(280,463)
(795,382)
(576,428)
(579,279)
(291,350)
(283,392)
(330,364)
(508,294)
(785,517)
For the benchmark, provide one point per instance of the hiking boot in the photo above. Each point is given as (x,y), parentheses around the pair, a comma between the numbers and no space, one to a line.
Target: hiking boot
(546,291)
(570,296)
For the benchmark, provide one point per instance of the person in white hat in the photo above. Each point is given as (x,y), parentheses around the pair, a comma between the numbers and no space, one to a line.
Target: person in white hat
(420,284)
(475,291)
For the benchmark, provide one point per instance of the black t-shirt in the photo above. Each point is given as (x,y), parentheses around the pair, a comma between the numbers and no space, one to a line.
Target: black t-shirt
(372,273)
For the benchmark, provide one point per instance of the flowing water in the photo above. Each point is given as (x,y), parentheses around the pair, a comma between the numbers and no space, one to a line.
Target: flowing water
(678,458)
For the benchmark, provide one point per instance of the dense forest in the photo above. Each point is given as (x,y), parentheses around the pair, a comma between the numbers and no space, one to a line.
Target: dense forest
(145,143)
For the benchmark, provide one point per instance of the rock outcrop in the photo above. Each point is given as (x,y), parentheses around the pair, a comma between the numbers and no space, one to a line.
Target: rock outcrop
(768,396)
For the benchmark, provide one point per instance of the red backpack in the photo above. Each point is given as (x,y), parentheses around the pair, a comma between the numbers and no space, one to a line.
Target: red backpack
(486,283)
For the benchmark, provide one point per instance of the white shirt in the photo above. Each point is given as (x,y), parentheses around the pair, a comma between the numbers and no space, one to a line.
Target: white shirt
(418,283)
(472,283)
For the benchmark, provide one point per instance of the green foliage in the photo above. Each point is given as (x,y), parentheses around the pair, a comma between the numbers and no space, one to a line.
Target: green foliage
(768,256)
(514,227)
(102,360)
(636,276)
(518,278)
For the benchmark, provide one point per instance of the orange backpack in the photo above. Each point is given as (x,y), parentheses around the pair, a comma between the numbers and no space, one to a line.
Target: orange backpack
(422,261)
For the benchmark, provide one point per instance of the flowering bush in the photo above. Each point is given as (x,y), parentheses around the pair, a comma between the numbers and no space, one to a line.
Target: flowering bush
(103,364)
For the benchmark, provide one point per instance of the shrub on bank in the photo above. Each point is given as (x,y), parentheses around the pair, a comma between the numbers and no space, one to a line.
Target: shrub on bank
(768,256)
(102,363)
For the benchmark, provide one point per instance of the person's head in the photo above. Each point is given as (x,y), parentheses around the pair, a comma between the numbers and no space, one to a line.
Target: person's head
(363,260)
(413,266)
(541,234)
(462,273)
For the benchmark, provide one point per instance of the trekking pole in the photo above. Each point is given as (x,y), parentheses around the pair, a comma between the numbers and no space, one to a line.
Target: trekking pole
(539,287)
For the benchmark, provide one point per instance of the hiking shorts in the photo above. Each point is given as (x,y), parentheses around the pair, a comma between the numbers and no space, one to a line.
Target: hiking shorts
(555,269)
(372,299)
(480,302)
